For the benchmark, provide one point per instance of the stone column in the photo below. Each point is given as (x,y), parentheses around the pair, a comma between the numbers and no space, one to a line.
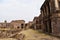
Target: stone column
(47,10)
(56,5)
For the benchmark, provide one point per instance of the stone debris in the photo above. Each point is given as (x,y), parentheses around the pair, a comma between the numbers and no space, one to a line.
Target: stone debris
(20,36)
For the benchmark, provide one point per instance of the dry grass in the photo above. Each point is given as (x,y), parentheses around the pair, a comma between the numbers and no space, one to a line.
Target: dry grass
(35,35)
(31,34)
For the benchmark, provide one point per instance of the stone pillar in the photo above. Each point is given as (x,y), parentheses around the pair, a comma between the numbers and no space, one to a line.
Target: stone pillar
(35,26)
(56,5)
(54,26)
(46,10)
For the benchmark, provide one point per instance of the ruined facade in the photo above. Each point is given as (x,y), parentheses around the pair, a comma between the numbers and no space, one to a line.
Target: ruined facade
(18,24)
(36,24)
(11,29)
(5,24)
(50,17)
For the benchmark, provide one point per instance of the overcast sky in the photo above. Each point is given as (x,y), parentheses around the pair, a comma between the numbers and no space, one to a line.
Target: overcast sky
(19,9)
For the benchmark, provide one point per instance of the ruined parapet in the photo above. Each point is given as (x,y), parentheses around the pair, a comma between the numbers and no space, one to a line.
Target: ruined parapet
(18,24)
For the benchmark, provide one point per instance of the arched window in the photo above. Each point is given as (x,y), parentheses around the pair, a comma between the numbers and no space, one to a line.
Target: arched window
(59,4)
(18,27)
(25,24)
(22,25)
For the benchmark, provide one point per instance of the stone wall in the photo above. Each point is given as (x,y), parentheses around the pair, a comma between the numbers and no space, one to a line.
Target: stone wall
(49,19)
(18,24)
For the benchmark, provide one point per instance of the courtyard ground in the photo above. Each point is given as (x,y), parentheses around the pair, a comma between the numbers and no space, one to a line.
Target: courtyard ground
(31,34)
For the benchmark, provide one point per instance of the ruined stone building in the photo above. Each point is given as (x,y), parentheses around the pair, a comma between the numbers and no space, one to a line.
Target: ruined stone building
(50,14)
(13,24)
(12,28)
(49,19)
(18,24)
(36,23)
(5,24)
